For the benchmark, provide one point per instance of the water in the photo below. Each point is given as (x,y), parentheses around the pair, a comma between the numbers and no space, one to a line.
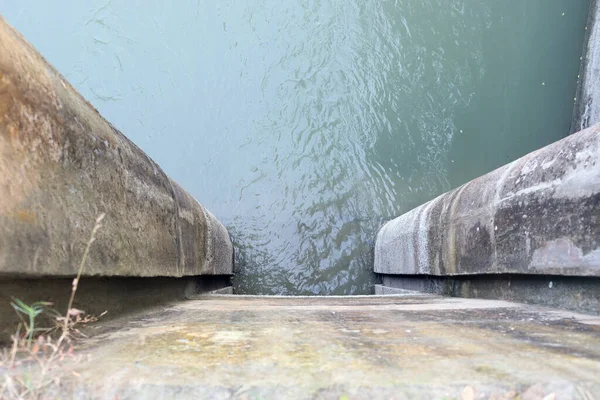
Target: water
(304,125)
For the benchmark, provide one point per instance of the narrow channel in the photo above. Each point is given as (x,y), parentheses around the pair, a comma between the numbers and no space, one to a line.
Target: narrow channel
(305,125)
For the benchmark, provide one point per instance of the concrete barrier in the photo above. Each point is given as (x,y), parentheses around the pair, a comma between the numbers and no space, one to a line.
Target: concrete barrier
(538,215)
(62,164)
(587,103)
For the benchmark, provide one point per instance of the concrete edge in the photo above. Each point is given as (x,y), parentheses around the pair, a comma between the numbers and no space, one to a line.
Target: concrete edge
(382,290)
(586,111)
(580,294)
(536,215)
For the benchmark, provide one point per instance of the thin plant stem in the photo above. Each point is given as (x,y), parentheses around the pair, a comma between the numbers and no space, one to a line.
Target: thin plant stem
(31,325)
(81,265)
(33,386)
(15,346)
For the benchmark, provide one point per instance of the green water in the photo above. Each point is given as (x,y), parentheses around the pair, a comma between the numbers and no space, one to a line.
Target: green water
(304,125)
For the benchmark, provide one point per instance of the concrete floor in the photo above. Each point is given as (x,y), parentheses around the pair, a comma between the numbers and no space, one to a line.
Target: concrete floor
(406,346)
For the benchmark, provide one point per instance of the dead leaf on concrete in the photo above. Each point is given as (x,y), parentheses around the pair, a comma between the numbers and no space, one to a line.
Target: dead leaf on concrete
(468,393)
(535,392)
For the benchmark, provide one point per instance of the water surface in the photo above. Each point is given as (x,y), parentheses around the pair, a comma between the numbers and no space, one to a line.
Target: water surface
(304,125)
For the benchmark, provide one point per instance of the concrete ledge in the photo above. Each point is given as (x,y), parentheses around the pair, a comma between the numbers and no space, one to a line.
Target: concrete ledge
(227,291)
(587,106)
(62,164)
(382,290)
(581,294)
(537,215)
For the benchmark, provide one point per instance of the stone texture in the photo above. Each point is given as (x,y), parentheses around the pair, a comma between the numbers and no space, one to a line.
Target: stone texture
(62,164)
(537,215)
(358,347)
(587,105)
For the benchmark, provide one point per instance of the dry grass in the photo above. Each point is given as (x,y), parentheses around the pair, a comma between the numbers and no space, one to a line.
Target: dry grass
(40,357)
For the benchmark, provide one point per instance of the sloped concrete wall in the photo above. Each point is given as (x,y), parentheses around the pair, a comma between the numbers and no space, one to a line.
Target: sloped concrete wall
(587,105)
(537,215)
(62,164)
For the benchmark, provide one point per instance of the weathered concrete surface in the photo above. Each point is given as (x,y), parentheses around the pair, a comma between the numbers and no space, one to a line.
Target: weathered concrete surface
(62,164)
(367,347)
(580,294)
(587,105)
(537,215)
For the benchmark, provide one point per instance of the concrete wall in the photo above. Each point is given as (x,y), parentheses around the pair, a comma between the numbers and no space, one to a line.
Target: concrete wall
(538,215)
(62,164)
(587,105)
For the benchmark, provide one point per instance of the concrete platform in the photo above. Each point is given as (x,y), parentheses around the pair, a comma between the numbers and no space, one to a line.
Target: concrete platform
(402,347)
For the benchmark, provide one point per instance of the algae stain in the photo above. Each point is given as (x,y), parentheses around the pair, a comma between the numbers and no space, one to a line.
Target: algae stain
(25,215)
(493,373)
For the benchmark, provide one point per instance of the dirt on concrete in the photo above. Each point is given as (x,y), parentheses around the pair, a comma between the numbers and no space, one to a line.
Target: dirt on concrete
(365,347)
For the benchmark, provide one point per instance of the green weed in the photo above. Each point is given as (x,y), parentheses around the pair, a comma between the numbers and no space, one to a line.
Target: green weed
(35,358)
(31,312)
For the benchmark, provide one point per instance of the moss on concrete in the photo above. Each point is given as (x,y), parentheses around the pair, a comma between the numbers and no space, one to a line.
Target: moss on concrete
(362,347)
